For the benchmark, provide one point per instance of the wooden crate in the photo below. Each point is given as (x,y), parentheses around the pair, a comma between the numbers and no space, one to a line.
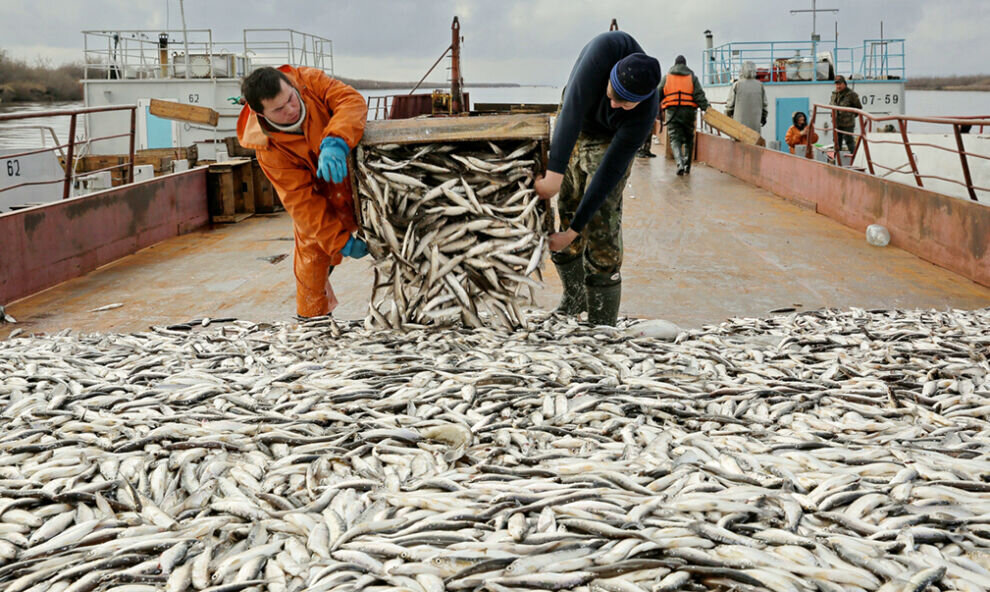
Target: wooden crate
(457,129)
(266,199)
(230,190)
(234,148)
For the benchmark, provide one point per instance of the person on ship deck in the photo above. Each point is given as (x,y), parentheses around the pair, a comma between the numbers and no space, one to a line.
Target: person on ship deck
(302,124)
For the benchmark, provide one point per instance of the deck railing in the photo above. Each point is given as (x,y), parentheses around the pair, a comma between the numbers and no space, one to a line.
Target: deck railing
(804,61)
(899,124)
(960,126)
(380,106)
(194,53)
(70,147)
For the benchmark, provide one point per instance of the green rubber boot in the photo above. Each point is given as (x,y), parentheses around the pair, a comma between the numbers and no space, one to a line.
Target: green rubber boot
(574,300)
(676,149)
(603,304)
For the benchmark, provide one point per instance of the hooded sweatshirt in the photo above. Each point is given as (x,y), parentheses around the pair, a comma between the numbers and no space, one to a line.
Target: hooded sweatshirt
(586,108)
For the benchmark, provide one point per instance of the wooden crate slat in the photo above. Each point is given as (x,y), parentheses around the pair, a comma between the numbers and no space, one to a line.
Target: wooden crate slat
(732,128)
(183,112)
(457,129)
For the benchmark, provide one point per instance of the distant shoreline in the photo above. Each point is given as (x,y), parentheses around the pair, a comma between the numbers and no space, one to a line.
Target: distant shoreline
(949,83)
(34,91)
(362,84)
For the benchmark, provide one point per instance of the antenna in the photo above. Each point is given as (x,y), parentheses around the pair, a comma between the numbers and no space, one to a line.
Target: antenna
(814,19)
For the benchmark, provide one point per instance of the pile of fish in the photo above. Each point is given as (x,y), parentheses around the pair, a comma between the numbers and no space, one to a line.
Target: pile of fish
(828,450)
(456,230)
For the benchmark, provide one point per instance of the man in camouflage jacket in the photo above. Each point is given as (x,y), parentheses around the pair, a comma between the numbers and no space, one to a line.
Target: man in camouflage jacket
(843,96)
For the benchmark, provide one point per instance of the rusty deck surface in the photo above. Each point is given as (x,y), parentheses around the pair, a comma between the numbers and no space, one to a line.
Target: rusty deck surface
(698,249)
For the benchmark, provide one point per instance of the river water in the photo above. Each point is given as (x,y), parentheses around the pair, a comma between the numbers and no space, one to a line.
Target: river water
(917,103)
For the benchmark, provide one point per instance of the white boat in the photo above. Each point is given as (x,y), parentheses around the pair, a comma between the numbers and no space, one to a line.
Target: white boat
(798,74)
(134,66)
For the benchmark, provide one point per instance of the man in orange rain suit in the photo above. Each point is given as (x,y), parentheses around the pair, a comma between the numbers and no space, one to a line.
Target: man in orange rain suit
(302,124)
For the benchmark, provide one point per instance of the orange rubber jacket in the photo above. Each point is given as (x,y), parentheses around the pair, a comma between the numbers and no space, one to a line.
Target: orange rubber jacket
(793,138)
(322,213)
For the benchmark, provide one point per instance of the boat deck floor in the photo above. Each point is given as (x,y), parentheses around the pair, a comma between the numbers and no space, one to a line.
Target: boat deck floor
(698,249)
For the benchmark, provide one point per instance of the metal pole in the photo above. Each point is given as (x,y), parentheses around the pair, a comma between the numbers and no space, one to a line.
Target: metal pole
(415,88)
(67,184)
(866,147)
(907,146)
(814,19)
(808,152)
(456,96)
(814,59)
(835,140)
(185,36)
(965,163)
(130,167)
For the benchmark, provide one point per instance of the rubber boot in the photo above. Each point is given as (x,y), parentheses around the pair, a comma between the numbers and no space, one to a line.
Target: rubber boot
(574,299)
(603,304)
(675,148)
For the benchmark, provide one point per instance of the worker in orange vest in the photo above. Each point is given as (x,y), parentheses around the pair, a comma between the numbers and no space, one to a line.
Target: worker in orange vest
(681,96)
(302,124)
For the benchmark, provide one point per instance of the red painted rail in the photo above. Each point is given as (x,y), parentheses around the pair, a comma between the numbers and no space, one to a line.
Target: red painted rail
(900,123)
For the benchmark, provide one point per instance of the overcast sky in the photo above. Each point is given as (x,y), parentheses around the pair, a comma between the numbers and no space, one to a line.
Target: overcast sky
(525,41)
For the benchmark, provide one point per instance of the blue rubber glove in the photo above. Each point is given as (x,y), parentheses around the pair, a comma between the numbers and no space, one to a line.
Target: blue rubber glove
(355,248)
(332,164)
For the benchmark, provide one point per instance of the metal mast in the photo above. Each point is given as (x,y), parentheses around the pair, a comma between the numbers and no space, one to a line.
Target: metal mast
(814,18)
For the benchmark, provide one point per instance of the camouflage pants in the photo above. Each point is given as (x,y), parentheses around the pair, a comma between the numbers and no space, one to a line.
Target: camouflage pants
(600,242)
(680,130)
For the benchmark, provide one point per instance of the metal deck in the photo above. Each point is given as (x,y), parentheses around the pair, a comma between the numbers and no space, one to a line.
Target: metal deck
(698,249)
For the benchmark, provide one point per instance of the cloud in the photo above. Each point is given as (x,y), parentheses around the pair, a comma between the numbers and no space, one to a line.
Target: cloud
(532,41)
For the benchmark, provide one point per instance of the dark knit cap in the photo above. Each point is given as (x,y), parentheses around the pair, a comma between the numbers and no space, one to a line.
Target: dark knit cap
(635,77)
(680,60)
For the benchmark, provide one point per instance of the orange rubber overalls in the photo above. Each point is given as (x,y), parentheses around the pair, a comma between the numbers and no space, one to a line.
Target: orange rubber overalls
(322,213)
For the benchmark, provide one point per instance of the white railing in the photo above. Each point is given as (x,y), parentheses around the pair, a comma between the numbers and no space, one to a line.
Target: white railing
(152,54)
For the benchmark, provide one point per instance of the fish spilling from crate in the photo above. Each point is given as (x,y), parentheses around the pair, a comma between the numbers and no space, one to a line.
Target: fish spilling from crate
(818,451)
(456,229)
